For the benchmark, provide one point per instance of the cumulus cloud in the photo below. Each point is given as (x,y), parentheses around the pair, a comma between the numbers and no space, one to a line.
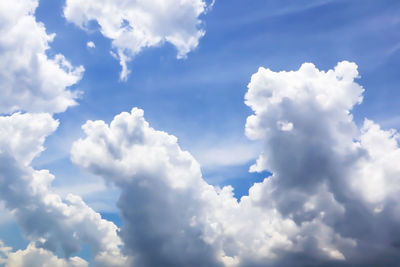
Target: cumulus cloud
(135,25)
(325,149)
(36,257)
(30,80)
(144,162)
(46,219)
(175,210)
(331,200)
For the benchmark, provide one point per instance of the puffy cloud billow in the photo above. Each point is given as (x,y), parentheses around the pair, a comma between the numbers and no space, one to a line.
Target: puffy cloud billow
(29,79)
(332,198)
(36,257)
(164,202)
(46,219)
(135,25)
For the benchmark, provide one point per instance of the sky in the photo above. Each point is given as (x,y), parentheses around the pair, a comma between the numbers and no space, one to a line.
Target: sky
(199,133)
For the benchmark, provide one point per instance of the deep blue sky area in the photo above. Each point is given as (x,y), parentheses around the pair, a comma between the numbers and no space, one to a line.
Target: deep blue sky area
(200,99)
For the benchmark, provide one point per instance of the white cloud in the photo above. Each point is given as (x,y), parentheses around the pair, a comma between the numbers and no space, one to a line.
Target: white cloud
(48,220)
(135,25)
(144,162)
(36,257)
(29,79)
(90,44)
(325,148)
(378,180)
(175,211)
(23,135)
(332,198)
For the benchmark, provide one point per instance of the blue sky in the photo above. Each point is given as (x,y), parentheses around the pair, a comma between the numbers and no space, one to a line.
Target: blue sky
(200,98)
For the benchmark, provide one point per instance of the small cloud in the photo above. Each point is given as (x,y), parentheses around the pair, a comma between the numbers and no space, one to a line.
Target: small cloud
(142,25)
(90,44)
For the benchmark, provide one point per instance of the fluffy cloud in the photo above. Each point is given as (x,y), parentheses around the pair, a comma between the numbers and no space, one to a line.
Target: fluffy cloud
(332,198)
(134,25)
(325,149)
(36,257)
(160,181)
(46,219)
(23,135)
(29,79)
(175,210)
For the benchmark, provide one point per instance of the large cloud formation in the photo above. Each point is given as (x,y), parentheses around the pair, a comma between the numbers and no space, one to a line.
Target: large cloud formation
(46,219)
(134,25)
(332,198)
(29,79)
(164,202)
